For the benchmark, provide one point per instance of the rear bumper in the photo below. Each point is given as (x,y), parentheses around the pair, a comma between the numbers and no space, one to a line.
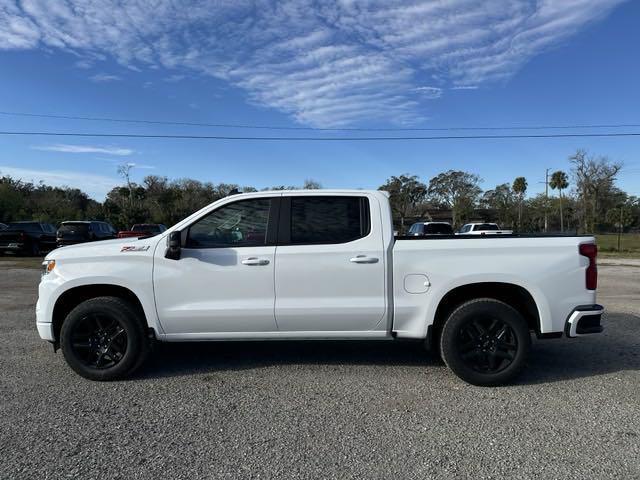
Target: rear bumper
(12,247)
(584,320)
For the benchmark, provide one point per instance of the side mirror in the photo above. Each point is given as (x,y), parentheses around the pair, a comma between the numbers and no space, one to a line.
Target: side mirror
(174,242)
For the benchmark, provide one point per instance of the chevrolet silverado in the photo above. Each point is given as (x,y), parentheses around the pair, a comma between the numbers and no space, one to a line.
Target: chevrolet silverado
(316,265)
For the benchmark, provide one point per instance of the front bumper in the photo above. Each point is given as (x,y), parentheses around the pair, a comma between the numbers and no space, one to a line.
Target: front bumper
(584,320)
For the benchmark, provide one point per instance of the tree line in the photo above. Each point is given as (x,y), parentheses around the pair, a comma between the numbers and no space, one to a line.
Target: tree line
(585,199)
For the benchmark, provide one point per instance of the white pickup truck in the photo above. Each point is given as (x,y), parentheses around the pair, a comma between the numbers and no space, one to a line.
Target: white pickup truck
(482,228)
(315,265)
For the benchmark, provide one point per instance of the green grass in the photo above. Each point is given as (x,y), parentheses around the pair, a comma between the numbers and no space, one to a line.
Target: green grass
(629,245)
(11,261)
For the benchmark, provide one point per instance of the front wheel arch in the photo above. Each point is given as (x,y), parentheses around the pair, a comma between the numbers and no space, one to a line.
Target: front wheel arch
(76,295)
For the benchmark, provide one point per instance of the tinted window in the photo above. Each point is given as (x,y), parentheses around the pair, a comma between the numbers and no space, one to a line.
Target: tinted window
(239,224)
(74,227)
(416,228)
(438,229)
(147,227)
(27,226)
(317,220)
(487,226)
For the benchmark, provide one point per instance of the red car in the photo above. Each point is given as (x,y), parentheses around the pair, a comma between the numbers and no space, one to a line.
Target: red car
(142,230)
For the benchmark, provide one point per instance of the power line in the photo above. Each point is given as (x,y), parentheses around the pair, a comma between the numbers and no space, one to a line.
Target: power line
(312,139)
(336,129)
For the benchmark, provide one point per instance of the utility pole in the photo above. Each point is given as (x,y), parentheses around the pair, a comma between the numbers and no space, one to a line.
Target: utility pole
(620,228)
(546,199)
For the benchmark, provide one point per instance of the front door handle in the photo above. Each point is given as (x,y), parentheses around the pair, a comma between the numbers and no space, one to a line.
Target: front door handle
(255,261)
(363,259)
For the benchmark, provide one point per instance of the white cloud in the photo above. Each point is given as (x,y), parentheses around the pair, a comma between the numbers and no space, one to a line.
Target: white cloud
(174,78)
(96,186)
(429,92)
(141,166)
(322,63)
(65,148)
(104,78)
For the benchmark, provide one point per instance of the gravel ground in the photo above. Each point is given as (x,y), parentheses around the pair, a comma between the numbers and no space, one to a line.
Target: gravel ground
(321,410)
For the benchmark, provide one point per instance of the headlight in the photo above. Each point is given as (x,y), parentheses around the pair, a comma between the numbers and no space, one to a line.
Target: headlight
(48,266)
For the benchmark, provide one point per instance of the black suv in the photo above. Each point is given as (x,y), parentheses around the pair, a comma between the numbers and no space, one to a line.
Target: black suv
(71,233)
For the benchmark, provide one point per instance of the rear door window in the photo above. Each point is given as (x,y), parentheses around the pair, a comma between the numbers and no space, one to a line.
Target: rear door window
(328,219)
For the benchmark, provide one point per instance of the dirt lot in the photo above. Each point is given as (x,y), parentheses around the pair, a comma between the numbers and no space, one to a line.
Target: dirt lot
(321,410)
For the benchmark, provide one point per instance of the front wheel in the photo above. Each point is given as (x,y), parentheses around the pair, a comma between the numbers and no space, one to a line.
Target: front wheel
(485,342)
(104,338)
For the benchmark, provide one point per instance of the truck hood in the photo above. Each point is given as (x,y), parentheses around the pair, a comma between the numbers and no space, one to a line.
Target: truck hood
(105,248)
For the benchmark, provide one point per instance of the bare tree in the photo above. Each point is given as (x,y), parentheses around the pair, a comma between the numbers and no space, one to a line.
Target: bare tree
(594,177)
(310,184)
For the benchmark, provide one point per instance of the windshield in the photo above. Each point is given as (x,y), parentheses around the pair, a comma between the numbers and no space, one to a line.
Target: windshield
(438,229)
(487,226)
(74,227)
(146,228)
(25,225)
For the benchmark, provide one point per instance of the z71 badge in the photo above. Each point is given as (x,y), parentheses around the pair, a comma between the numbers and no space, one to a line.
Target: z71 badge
(131,248)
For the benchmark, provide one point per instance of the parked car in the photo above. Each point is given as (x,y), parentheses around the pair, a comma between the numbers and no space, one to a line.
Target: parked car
(306,265)
(481,228)
(430,228)
(28,238)
(142,230)
(70,233)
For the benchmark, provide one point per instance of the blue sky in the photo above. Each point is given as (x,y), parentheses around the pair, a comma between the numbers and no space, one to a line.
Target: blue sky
(350,64)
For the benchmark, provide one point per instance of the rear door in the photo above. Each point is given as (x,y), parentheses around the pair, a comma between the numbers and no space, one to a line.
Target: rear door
(330,266)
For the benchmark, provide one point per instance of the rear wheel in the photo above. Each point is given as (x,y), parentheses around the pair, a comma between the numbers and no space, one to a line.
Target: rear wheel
(104,338)
(485,342)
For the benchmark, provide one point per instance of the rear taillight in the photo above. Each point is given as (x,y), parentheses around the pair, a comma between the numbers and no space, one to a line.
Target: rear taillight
(590,250)
(22,237)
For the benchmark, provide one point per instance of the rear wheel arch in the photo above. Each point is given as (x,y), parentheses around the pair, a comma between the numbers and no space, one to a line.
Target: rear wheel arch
(76,295)
(513,295)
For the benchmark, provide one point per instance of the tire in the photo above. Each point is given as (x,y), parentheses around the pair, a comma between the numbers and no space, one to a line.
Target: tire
(485,342)
(35,249)
(104,339)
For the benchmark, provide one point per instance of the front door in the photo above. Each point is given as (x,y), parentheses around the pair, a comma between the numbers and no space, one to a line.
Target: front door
(223,281)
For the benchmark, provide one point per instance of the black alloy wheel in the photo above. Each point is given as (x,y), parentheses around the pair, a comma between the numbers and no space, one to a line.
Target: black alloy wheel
(100,342)
(104,338)
(485,342)
(487,345)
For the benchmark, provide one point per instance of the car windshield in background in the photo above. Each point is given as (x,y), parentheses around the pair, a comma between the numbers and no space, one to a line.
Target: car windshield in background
(74,227)
(146,228)
(487,226)
(438,229)
(25,225)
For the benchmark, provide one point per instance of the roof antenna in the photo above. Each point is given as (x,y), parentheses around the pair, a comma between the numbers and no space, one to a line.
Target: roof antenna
(234,191)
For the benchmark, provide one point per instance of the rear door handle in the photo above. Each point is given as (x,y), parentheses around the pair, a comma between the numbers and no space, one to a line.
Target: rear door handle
(363,259)
(255,261)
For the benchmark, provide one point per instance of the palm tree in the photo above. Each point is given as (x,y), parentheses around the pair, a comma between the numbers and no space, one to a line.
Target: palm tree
(520,188)
(559,180)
